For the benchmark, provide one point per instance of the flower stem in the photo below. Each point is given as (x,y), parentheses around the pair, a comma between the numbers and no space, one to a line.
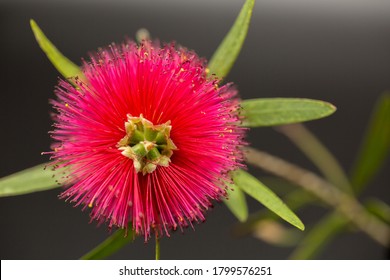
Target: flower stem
(345,204)
(157,248)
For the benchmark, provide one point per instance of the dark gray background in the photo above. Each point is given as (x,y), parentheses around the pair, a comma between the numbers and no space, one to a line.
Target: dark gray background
(337,51)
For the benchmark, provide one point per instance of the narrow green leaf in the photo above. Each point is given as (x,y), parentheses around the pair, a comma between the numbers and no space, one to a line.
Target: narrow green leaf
(318,154)
(30,180)
(236,203)
(227,52)
(376,145)
(278,111)
(379,209)
(264,195)
(280,186)
(296,200)
(111,245)
(66,67)
(319,236)
(330,226)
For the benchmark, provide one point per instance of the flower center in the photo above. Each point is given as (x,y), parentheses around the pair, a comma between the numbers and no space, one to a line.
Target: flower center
(148,145)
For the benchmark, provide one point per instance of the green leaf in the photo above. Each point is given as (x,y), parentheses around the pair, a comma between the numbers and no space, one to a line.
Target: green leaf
(236,202)
(318,154)
(278,111)
(227,52)
(111,245)
(379,209)
(264,195)
(33,179)
(296,200)
(329,227)
(319,236)
(66,67)
(376,145)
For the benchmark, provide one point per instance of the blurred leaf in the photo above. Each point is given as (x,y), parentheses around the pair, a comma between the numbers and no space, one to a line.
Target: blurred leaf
(275,233)
(236,203)
(299,198)
(319,236)
(33,179)
(376,145)
(279,111)
(318,154)
(66,67)
(373,152)
(227,52)
(111,245)
(278,185)
(286,189)
(142,35)
(329,227)
(379,209)
(264,195)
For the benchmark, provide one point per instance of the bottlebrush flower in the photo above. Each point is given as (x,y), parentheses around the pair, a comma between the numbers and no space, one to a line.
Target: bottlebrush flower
(149,138)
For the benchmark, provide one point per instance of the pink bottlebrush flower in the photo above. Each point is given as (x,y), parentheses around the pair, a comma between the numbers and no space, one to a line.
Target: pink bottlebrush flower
(148,137)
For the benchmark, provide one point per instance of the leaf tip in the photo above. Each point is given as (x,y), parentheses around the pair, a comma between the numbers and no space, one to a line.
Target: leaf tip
(36,30)
(301,226)
(33,25)
(332,108)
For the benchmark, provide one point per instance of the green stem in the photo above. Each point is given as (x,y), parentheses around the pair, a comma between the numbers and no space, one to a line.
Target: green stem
(157,248)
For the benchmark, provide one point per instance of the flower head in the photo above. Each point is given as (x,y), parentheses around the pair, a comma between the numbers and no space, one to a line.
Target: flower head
(149,138)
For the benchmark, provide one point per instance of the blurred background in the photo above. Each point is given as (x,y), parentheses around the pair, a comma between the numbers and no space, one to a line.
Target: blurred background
(338,51)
